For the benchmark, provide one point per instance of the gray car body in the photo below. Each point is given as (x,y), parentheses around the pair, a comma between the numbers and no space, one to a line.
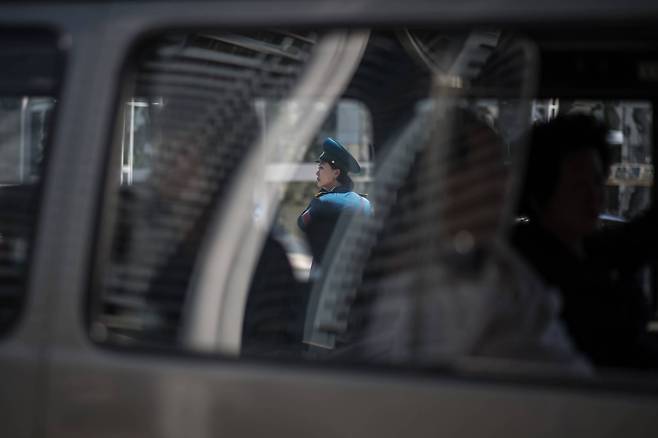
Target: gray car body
(55,382)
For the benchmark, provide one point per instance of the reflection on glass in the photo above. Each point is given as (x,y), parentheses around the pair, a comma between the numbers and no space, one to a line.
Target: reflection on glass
(219,137)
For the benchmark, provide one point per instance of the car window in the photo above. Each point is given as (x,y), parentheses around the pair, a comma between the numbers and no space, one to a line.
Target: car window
(28,84)
(344,195)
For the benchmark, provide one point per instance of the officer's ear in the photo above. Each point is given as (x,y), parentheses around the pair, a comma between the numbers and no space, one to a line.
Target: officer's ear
(336,172)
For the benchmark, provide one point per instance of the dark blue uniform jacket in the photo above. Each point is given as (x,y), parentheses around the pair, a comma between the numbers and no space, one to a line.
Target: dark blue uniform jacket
(319,219)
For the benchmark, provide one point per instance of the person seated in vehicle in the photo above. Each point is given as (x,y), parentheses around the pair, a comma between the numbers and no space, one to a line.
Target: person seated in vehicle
(442,285)
(335,198)
(605,314)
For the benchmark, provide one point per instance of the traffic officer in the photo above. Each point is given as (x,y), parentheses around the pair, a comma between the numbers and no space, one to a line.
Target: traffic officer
(335,197)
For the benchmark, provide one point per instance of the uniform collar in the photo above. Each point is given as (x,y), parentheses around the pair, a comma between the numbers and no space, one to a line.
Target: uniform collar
(337,189)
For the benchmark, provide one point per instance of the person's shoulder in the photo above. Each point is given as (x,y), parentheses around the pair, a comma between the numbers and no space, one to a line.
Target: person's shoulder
(329,201)
(363,199)
(359,202)
(343,200)
(327,197)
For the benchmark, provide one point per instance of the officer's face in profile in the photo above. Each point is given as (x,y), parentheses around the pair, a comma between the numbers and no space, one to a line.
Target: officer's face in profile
(326,176)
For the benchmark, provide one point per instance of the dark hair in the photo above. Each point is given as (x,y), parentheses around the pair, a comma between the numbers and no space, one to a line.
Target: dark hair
(345,180)
(549,144)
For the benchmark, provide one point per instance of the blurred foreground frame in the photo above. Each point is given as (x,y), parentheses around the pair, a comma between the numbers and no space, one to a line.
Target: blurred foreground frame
(468,68)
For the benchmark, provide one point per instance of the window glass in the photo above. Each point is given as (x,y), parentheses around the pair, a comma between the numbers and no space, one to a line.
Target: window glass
(628,188)
(629,184)
(358,196)
(27,89)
